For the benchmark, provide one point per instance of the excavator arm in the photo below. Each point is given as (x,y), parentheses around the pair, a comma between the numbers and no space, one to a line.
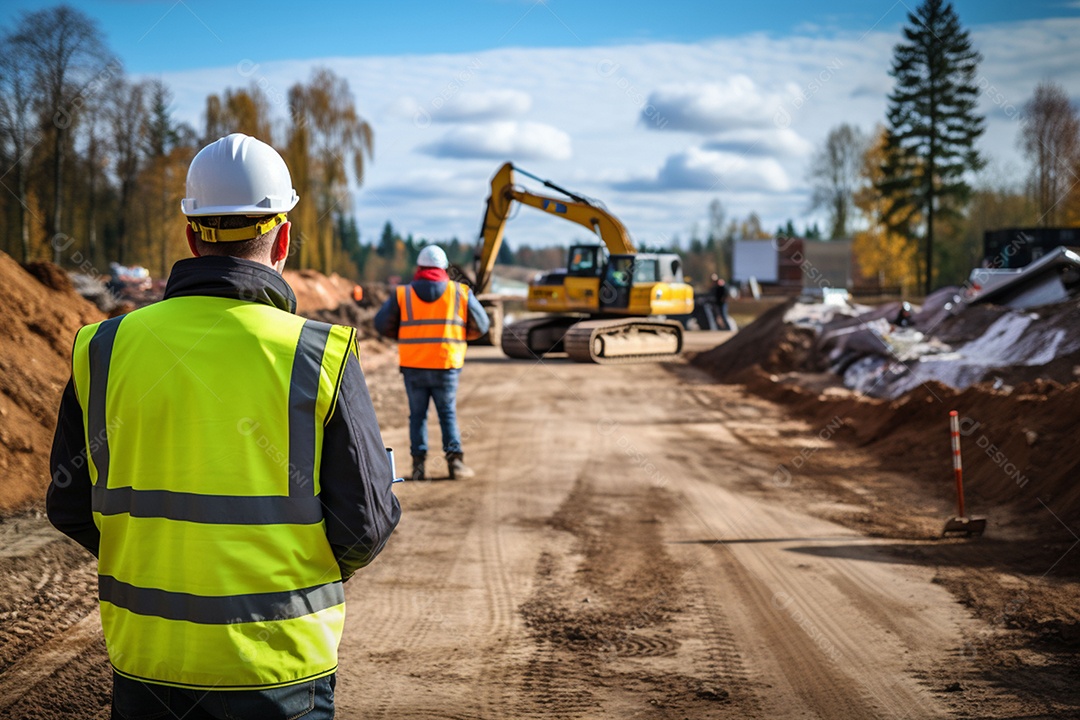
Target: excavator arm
(572,207)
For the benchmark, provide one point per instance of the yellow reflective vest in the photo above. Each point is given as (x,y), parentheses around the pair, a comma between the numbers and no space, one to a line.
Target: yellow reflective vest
(204,423)
(431,335)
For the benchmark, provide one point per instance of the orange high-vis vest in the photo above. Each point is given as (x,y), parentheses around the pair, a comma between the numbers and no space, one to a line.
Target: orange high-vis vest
(432,334)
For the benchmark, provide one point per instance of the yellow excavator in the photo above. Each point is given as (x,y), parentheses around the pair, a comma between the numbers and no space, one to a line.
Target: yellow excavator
(608,305)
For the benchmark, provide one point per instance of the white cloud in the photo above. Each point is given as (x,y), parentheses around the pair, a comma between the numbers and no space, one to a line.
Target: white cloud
(715,171)
(505,140)
(780,142)
(462,107)
(482,106)
(733,104)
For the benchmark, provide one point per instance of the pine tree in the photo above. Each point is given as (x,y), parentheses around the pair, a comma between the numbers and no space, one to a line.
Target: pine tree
(933,124)
(387,242)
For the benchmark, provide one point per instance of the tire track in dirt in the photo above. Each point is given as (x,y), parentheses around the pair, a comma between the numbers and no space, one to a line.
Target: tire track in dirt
(503,467)
(49,623)
(803,617)
(24,681)
(614,619)
(467,569)
(830,624)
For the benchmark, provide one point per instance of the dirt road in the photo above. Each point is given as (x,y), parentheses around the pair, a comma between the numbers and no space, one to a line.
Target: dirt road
(629,549)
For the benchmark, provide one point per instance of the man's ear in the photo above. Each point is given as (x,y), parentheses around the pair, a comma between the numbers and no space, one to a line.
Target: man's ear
(191,238)
(280,251)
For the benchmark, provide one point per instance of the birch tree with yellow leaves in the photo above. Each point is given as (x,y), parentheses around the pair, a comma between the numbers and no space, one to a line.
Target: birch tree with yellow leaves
(887,253)
(327,138)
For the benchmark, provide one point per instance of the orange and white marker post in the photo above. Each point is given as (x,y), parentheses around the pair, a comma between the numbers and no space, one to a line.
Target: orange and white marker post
(961,524)
(954,423)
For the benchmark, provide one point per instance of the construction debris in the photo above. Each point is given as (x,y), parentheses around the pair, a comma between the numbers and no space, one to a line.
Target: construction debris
(1053,278)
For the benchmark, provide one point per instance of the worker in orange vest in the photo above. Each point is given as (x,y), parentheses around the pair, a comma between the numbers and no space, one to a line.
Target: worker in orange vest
(432,318)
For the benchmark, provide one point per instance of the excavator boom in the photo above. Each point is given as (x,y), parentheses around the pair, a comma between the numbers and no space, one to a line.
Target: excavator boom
(573,208)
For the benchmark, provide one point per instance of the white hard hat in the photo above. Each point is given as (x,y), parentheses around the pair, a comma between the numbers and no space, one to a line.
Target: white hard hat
(238,175)
(432,256)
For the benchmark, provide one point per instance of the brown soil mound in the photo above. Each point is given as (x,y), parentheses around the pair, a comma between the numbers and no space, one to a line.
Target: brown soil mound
(1018,444)
(315,291)
(37,328)
(1019,448)
(361,318)
(330,299)
(768,343)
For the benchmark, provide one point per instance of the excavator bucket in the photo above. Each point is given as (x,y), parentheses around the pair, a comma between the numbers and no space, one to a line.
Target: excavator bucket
(966,526)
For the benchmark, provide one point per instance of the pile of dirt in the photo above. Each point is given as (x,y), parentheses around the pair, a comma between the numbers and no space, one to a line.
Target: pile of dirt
(315,291)
(362,318)
(41,315)
(330,299)
(1018,446)
(768,343)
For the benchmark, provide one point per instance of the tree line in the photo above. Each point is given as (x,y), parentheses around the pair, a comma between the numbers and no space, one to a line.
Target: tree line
(95,162)
(915,193)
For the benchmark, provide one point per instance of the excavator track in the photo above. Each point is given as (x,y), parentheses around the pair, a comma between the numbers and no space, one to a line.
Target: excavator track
(621,341)
(536,337)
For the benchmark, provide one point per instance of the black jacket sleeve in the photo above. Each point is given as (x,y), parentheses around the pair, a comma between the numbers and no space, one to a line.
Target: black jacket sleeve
(388,319)
(67,502)
(359,506)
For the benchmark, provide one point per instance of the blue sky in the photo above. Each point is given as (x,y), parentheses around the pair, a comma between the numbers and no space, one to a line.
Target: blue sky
(656,108)
(169,35)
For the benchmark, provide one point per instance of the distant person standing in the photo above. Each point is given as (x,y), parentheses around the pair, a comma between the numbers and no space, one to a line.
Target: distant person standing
(432,318)
(720,297)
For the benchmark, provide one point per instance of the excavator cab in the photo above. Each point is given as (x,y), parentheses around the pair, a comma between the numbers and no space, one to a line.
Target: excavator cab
(585,261)
(615,287)
(575,288)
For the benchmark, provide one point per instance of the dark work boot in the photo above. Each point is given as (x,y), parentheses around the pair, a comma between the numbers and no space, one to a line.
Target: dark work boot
(418,467)
(458,468)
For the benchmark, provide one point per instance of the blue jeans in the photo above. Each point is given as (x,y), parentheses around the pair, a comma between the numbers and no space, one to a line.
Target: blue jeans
(134,700)
(440,386)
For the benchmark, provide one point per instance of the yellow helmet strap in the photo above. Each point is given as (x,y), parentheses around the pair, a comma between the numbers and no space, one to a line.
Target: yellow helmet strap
(215,235)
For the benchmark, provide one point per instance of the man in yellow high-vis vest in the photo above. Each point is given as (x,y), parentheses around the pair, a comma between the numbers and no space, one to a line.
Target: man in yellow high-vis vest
(432,318)
(221,458)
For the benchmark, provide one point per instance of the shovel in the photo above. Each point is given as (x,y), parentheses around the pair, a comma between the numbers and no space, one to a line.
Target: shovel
(961,524)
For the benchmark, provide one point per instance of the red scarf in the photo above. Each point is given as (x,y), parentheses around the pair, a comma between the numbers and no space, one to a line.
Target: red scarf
(431,273)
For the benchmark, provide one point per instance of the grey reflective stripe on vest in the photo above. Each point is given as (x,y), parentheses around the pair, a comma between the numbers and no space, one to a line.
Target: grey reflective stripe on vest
(220,610)
(99,357)
(303,394)
(410,322)
(414,323)
(208,509)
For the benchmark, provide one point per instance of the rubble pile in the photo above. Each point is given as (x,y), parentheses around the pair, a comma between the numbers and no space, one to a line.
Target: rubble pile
(879,352)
